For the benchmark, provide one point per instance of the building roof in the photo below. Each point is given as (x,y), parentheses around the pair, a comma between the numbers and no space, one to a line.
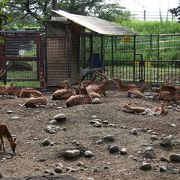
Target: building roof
(95,24)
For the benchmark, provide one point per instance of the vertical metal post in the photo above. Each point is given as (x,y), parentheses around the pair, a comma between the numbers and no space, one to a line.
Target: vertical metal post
(144,15)
(134,57)
(158,56)
(102,51)
(91,50)
(112,55)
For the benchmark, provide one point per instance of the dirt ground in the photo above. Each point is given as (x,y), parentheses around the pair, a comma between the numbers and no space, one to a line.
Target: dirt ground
(33,158)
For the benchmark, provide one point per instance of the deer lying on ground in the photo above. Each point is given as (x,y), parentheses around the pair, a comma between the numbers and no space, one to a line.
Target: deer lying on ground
(19,92)
(4,132)
(64,93)
(82,98)
(168,96)
(100,88)
(29,92)
(138,91)
(36,101)
(124,86)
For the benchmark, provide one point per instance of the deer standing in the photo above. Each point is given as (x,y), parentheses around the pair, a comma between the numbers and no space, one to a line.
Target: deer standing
(4,132)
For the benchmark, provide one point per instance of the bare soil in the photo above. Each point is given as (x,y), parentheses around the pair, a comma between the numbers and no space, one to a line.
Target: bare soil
(32,158)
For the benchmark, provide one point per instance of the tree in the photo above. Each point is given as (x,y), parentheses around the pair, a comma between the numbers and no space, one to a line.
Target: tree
(3,16)
(175,12)
(35,12)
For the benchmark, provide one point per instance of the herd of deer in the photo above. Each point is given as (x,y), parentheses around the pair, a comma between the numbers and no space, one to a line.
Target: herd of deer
(83,93)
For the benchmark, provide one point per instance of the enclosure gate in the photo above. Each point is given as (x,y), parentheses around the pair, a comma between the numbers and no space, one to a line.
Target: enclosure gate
(21,58)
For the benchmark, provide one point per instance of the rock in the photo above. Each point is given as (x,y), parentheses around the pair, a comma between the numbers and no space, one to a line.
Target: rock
(166,142)
(149,148)
(60,117)
(108,138)
(164,159)
(145,166)
(58,169)
(47,171)
(154,137)
(52,173)
(88,153)
(149,155)
(134,131)
(9,112)
(97,124)
(105,122)
(112,125)
(174,158)
(113,149)
(99,141)
(46,142)
(94,116)
(69,154)
(96,101)
(71,169)
(123,151)
(53,121)
(173,125)
(51,129)
(90,178)
(163,169)
(59,165)
(14,118)
(93,121)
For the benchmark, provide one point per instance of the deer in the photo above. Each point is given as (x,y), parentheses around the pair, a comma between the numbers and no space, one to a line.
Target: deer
(168,96)
(138,91)
(100,88)
(82,98)
(4,132)
(64,93)
(29,92)
(36,101)
(123,86)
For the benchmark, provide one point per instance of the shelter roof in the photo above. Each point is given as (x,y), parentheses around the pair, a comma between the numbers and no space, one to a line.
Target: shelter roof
(95,24)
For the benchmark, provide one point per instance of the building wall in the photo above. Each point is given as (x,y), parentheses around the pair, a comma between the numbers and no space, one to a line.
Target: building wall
(62,53)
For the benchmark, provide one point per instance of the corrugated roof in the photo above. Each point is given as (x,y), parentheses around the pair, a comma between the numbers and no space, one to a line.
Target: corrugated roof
(95,24)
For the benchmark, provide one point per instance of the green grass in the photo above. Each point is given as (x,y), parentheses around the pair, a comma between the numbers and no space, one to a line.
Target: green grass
(152,27)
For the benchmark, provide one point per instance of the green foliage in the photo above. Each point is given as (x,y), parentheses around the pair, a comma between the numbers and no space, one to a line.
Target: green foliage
(152,27)
(175,12)
(34,13)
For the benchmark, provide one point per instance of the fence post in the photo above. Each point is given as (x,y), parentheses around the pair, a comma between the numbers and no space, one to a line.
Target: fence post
(134,56)
(112,55)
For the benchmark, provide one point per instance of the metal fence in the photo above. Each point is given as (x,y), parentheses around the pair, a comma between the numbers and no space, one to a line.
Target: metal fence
(151,58)
(21,57)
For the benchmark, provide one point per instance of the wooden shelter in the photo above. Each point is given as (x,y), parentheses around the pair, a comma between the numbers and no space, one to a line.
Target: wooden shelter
(64,43)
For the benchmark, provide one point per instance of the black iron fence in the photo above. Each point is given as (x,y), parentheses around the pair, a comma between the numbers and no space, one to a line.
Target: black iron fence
(151,58)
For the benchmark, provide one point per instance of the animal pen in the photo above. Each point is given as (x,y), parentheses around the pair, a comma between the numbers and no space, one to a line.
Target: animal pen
(72,43)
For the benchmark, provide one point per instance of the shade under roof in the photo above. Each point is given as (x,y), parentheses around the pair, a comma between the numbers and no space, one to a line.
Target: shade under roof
(95,24)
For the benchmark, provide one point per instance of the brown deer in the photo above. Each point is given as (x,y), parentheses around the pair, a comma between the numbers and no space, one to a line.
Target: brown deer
(82,98)
(64,93)
(138,91)
(36,101)
(4,132)
(29,92)
(100,88)
(122,86)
